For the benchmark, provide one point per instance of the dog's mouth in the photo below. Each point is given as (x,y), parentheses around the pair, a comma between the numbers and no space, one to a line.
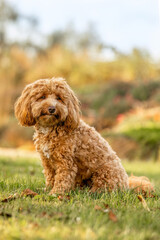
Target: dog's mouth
(56,116)
(43,114)
(50,114)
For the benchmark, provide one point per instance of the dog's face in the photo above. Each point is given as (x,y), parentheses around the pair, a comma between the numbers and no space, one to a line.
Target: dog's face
(48,102)
(49,108)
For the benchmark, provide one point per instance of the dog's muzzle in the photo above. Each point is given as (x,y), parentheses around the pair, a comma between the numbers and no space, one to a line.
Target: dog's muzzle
(51,109)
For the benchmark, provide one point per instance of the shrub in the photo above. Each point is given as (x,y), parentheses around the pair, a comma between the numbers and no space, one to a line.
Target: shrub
(147,137)
(144,91)
(113,100)
(112,109)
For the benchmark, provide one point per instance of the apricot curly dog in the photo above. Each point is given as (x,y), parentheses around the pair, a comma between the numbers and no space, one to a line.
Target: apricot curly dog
(72,153)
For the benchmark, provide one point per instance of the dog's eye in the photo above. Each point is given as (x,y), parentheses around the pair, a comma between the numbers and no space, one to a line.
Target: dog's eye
(58,98)
(43,97)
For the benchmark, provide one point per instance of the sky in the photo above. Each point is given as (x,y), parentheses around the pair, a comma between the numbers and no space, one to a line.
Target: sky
(122,23)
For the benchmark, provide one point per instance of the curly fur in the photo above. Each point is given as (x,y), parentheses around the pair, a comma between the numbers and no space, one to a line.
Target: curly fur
(72,153)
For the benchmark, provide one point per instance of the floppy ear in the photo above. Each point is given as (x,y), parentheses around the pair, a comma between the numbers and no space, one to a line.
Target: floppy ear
(23,108)
(73,117)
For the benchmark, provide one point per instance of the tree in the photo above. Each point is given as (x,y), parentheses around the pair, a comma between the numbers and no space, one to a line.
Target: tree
(9,15)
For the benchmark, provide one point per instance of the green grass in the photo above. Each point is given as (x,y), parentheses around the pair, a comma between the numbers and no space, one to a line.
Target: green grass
(46,217)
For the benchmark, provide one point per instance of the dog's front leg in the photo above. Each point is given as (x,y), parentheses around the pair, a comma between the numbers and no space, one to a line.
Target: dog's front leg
(64,178)
(48,171)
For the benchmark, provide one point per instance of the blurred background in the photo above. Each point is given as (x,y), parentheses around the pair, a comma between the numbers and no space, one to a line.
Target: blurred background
(108,51)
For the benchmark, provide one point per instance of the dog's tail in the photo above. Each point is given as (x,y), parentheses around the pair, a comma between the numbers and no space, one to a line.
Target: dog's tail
(141,185)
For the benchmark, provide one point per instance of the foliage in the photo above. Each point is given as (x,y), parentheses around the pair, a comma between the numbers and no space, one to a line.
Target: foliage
(139,131)
(144,91)
(12,135)
(76,216)
(148,138)
(13,66)
(112,100)
(116,98)
(69,38)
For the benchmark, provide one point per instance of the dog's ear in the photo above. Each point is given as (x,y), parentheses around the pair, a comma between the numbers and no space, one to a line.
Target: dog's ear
(23,108)
(73,117)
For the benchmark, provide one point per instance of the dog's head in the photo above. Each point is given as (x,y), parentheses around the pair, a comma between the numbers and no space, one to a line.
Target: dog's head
(48,102)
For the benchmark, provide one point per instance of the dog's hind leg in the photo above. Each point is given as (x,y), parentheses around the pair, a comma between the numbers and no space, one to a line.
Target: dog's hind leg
(109,178)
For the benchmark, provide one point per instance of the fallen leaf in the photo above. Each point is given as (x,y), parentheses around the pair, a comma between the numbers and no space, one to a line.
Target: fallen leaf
(32,172)
(34,225)
(60,197)
(20,209)
(63,197)
(148,194)
(68,197)
(98,208)
(106,205)
(11,197)
(28,192)
(43,214)
(141,199)
(112,216)
(101,209)
(7,215)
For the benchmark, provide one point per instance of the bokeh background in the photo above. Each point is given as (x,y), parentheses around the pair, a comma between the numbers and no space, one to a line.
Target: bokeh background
(107,50)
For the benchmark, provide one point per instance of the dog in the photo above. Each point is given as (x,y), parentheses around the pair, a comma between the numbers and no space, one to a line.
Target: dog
(73,153)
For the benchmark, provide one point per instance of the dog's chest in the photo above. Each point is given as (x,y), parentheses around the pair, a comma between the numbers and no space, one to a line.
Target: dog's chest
(45,150)
(44,146)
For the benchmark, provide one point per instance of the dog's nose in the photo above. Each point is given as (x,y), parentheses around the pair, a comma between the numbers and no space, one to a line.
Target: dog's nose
(51,109)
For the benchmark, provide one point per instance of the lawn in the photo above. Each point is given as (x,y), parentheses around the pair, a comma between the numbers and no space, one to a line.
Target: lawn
(80,215)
